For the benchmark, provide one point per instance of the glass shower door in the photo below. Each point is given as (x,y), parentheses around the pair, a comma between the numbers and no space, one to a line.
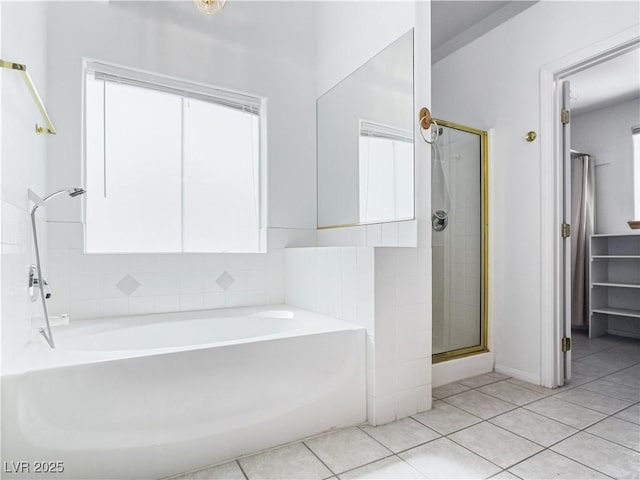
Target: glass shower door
(459,234)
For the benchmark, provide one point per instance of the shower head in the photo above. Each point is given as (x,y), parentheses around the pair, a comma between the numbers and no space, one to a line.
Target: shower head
(74,192)
(41,202)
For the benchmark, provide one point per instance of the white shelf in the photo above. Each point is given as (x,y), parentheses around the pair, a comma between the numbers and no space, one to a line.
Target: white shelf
(617,285)
(623,312)
(614,256)
(630,234)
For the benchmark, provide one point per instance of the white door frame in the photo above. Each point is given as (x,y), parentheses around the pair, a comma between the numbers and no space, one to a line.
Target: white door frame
(551,301)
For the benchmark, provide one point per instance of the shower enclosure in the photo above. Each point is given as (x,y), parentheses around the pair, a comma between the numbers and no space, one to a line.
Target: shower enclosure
(459,239)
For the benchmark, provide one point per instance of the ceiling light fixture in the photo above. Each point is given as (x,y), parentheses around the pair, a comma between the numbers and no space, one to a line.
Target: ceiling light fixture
(210,7)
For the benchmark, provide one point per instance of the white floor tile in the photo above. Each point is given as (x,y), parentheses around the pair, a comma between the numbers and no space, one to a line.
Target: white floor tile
(448,390)
(631,414)
(401,435)
(511,393)
(391,468)
(577,379)
(289,462)
(594,366)
(226,471)
(628,376)
(594,401)
(479,404)
(536,428)
(531,386)
(443,458)
(480,380)
(495,444)
(565,412)
(549,464)
(445,418)
(601,455)
(347,449)
(612,388)
(618,431)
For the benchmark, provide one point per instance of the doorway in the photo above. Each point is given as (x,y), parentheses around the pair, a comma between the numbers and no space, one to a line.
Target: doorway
(580,228)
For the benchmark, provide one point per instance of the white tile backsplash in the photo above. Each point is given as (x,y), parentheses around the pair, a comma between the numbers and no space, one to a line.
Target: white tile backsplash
(391,234)
(85,285)
(374,235)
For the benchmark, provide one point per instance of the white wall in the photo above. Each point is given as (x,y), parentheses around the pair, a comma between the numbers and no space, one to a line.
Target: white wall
(350,33)
(23,163)
(494,82)
(606,134)
(251,47)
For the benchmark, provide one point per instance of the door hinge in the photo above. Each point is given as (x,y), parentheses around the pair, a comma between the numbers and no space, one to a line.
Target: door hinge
(566,344)
(565,116)
(566,230)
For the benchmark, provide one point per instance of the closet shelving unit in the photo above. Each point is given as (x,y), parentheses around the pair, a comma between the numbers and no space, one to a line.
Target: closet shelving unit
(614,293)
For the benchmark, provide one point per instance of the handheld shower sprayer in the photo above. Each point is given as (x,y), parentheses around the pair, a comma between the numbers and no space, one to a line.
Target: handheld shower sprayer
(42,282)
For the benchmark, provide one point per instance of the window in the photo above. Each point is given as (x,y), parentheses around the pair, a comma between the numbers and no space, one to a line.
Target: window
(636,171)
(386,173)
(171,166)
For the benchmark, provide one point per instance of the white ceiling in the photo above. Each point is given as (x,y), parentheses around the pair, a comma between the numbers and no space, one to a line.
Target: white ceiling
(241,22)
(455,23)
(607,83)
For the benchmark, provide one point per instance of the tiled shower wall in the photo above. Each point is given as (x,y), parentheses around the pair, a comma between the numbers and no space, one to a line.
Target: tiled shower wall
(100,285)
(384,290)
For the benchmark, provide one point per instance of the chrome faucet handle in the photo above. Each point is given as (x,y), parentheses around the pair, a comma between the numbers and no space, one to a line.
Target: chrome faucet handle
(34,291)
(47,288)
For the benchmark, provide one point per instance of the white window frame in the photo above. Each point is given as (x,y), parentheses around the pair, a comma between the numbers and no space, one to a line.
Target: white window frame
(187,89)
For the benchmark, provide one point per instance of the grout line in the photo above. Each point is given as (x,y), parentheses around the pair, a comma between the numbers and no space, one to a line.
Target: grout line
(598,411)
(509,472)
(494,416)
(360,427)
(607,439)
(366,464)
(475,453)
(334,474)
(242,470)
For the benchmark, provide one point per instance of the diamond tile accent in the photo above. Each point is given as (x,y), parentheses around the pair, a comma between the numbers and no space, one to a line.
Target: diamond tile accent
(128,285)
(225,280)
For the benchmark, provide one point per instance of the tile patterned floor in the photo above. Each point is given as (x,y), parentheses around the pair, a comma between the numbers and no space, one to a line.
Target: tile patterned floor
(489,426)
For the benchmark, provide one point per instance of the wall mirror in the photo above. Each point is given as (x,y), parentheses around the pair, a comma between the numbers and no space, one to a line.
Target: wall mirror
(365,142)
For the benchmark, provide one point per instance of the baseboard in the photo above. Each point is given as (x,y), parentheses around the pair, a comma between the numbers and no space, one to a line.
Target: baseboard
(623,333)
(519,374)
(460,368)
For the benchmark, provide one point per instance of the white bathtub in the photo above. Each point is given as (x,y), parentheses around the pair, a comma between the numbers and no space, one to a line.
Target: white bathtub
(152,396)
